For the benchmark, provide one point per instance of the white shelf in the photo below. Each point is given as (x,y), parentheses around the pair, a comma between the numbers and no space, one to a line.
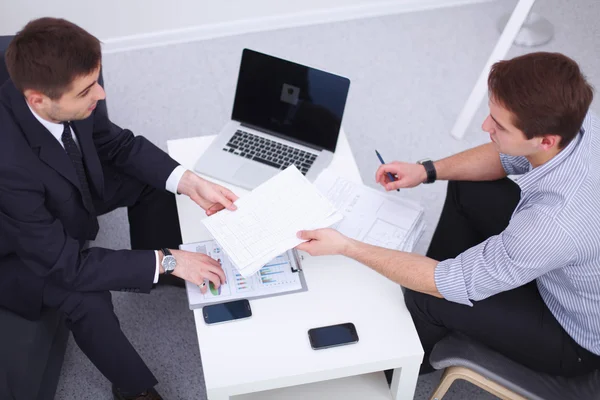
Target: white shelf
(370,386)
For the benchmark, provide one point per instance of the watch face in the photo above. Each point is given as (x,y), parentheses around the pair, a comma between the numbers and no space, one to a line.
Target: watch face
(169,263)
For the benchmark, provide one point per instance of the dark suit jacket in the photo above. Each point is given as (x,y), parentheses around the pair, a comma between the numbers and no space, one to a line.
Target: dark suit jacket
(43,222)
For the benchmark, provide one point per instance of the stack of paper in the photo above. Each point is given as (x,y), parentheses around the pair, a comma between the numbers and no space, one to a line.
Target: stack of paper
(371,216)
(267,220)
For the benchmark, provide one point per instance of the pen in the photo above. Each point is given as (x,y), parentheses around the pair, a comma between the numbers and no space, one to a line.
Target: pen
(392,179)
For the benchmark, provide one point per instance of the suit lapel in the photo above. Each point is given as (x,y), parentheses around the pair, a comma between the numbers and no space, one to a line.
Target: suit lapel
(49,150)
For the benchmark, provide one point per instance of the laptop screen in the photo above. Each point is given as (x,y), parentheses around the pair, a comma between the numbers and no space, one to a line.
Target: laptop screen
(290,100)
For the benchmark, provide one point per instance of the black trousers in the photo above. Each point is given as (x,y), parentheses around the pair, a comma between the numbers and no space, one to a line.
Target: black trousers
(515,323)
(89,315)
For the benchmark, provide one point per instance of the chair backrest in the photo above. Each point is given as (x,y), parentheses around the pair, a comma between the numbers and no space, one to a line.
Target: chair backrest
(4,41)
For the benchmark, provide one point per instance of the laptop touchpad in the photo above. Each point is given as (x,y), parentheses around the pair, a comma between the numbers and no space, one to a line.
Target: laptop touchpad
(253,174)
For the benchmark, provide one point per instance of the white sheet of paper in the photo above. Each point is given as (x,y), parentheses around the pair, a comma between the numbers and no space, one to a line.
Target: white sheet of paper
(371,216)
(267,220)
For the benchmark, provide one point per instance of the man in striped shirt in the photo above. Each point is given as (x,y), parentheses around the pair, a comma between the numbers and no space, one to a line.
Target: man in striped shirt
(515,266)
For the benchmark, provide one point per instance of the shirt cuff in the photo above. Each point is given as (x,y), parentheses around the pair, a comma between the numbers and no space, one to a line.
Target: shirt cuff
(157,272)
(174,178)
(450,281)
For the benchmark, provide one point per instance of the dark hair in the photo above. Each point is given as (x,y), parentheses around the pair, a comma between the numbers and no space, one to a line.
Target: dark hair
(49,53)
(545,92)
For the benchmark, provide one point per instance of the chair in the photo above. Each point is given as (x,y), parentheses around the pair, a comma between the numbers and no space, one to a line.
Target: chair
(31,352)
(495,373)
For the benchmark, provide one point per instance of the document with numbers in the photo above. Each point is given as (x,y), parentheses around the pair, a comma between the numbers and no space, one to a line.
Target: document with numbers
(281,275)
(267,220)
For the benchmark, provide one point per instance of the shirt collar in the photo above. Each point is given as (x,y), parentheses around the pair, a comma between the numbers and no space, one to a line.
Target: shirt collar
(55,129)
(530,180)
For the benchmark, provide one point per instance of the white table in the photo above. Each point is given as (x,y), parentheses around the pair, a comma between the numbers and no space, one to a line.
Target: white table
(270,352)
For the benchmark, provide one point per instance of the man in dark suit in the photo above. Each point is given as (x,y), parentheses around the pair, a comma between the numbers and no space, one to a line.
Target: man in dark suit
(63,163)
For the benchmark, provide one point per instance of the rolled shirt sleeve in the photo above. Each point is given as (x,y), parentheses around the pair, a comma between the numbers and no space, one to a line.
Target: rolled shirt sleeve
(532,245)
(515,165)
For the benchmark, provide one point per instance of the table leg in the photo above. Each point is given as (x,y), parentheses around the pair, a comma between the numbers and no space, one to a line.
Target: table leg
(404,382)
(502,46)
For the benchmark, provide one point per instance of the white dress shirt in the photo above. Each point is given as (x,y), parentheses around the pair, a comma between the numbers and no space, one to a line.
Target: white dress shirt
(56,129)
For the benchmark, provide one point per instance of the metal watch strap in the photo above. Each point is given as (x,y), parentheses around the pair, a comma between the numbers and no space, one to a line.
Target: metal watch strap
(430,169)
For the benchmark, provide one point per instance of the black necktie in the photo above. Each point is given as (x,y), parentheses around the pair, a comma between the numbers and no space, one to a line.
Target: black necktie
(77,160)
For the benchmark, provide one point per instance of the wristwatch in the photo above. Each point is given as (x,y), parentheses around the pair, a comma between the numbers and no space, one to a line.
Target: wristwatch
(168,263)
(430,169)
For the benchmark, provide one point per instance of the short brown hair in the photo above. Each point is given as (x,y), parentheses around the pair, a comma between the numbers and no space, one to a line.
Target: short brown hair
(546,93)
(49,53)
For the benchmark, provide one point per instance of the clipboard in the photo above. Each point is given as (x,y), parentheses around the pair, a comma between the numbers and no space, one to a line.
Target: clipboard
(280,276)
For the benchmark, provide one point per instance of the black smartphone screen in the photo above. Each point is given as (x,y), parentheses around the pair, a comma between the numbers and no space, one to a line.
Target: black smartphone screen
(216,313)
(334,335)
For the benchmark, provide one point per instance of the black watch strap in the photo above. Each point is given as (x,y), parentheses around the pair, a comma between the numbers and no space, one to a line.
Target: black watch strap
(430,169)
(166,252)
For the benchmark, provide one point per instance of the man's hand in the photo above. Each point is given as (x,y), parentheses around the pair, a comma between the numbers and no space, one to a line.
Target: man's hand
(323,242)
(198,267)
(210,196)
(407,175)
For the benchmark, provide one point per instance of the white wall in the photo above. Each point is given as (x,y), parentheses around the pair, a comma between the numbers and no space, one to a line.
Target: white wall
(124,24)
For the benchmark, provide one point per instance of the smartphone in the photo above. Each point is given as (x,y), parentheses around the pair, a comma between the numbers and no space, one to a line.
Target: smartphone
(332,336)
(217,313)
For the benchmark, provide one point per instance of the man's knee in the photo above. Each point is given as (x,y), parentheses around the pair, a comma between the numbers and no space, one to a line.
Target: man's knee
(80,305)
(414,300)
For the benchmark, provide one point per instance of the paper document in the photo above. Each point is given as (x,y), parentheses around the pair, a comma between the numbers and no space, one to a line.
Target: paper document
(371,216)
(281,275)
(267,220)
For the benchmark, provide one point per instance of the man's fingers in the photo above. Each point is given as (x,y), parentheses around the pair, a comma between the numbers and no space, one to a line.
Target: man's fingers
(226,198)
(394,185)
(203,287)
(210,260)
(213,277)
(218,272)
(230,195)
(303,246)
(381,173)
(307,235)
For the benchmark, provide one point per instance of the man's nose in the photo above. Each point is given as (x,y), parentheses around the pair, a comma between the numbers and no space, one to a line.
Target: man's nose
(100,93)
(487,126)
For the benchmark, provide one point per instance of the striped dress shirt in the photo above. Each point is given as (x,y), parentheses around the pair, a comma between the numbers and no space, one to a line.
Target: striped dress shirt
(553,237)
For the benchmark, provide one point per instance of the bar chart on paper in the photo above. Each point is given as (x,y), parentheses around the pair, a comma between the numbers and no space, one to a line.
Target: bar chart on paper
(275,272)
(280,275)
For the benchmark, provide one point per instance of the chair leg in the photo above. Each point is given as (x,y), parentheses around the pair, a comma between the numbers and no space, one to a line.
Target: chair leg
(445,382)
(453,373)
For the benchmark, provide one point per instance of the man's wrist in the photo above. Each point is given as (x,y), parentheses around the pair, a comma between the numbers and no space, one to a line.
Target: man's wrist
(423,174)
(349,248)
(161,256)
(186,182)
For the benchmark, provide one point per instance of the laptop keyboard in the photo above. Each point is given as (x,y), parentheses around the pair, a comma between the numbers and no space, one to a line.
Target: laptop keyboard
(269,152)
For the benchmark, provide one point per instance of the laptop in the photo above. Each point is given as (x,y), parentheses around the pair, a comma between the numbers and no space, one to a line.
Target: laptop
(283,113)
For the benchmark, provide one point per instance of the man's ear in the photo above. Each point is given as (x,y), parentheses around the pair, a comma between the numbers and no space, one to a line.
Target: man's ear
(550,141)
(35,98)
